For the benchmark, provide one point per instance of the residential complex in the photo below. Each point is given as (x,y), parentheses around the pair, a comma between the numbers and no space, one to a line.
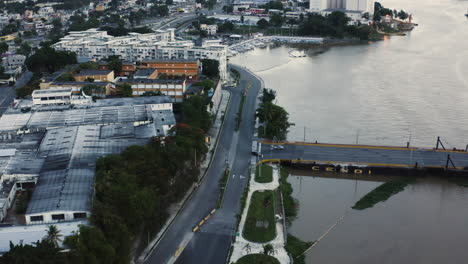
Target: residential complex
(135,47)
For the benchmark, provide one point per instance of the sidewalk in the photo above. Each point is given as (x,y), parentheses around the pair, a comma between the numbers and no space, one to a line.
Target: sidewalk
(174,209)
(241,246)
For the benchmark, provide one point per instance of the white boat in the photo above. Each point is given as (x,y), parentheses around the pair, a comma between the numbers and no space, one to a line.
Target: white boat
(297,53)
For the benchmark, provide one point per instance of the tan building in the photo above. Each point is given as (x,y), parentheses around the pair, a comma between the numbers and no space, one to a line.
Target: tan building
(189,68)
(96,75)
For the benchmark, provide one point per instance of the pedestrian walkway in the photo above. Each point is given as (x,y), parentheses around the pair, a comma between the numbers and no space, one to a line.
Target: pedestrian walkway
(241,246)
(174,209)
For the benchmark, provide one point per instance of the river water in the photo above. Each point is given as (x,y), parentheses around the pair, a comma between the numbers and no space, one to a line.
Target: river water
(412,88)
(425,223)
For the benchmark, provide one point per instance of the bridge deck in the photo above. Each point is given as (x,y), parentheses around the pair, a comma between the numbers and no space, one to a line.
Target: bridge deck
(380,156)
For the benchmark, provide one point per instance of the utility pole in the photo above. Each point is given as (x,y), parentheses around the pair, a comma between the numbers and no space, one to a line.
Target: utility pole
(304,134)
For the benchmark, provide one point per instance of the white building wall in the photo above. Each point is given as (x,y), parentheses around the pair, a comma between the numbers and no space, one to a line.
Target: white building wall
(47,217)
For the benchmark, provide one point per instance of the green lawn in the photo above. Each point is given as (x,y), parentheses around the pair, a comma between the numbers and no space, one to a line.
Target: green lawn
(261,209)
(266,174)
(257,259)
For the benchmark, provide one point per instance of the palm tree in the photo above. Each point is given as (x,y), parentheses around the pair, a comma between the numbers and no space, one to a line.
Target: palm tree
(53,235)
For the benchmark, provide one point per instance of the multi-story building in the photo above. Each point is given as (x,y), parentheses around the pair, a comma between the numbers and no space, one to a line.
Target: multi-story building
(13,63)
(173,88)
(348,5)
(136,47)
(189,68)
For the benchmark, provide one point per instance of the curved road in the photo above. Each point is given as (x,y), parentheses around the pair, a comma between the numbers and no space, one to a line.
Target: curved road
(212,242)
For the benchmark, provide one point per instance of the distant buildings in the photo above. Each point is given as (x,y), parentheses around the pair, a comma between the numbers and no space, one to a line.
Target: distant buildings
(136,47)
(173,88)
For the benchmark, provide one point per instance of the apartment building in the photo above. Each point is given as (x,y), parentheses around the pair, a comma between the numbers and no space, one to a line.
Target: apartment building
(189,68)
(136,47)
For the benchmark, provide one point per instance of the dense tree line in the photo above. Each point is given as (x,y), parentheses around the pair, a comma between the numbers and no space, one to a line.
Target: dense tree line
(274,117)
(47,59)
(210,68)
(332,25)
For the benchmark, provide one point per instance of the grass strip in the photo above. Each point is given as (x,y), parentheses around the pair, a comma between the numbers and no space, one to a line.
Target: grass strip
(263,173)
(260,223)
(290,208)
(239,113)
(296,248)
(382,193)
(222,187)
(258,259)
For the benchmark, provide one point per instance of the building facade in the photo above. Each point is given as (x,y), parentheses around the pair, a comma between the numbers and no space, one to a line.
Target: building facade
(173,88)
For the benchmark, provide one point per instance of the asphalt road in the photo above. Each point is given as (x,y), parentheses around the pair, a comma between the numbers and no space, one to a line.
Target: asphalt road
(211,243)
(363,154)
(7,93)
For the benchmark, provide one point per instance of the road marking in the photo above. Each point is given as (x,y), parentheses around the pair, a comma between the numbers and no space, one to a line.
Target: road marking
(233,176)
(242,177)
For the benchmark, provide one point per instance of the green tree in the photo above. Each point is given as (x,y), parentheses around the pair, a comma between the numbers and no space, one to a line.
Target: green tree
(48,59)
(275,119)
(94,90)
(273,5)
(206,84)
(268,95)
(3,47)
(53,235)
(169,2)
(24,49)
(402,15)
(66,77)
(41,252)
(263,23)
(89,245)
(114,64)
(125,90)
(228,9)
(194,113)
(210,68)
(277,20)
(90,65)
(18,41)
(267,249)
(338,19)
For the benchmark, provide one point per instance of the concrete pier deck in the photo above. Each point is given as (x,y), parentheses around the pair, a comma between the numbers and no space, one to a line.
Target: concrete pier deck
(365,155)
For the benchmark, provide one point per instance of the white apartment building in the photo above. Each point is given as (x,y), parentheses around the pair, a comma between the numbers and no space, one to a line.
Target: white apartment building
(348,5)
(98,45)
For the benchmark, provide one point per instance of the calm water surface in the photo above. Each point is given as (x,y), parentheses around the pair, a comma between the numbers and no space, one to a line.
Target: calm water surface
(425,223)
(404,88)
(411,88)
